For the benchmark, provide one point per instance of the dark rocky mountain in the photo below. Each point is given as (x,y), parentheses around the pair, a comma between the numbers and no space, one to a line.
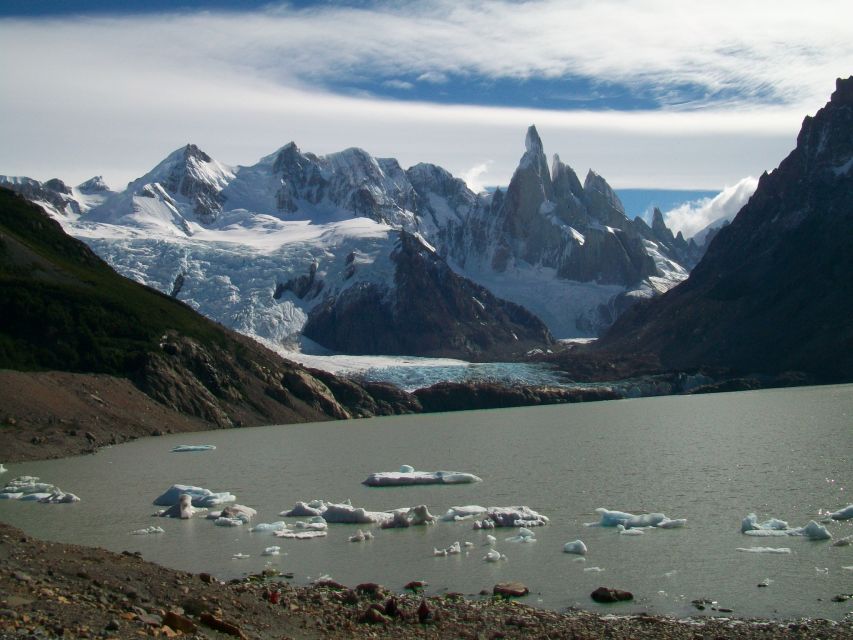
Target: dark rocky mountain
(64,309)
(774,291)
(429,311)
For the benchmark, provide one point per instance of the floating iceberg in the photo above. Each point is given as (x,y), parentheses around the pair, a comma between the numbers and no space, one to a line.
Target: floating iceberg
(415,516)
(593,569)
(183,448)
(240,556)
(148,530)
(29,489)
(271,551)
(765,549)
(317,523)
(300,535)
(3,469)
(576,546)
(494,556)
(454,514)
(183,509)
(490,540)
(234,512)
(775,527)
(347,514)
(200,497)
(608,518)
(228,522)
(269,527)
(628,532)
(408,476)
(524,535)
(842,514)
(361,536)
(305,509)
(452,550)
(510,517)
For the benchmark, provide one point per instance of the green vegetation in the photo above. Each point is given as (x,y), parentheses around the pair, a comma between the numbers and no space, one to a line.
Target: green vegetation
(63,308)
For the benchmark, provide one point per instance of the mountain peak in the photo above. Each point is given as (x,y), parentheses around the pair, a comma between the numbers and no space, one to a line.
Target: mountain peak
(93,185)
(843,93)
(532,142)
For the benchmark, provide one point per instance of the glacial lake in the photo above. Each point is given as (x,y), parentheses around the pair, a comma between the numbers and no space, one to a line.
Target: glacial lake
(709,458)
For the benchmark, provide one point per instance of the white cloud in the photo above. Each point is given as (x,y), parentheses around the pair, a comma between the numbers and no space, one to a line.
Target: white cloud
(433,77)
(398,84)
(114,95)
(473,177)
(694,217)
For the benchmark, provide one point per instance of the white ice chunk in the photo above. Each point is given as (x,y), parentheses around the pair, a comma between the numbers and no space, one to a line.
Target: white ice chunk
(415,516)
(240,556)
(645,520)
(401,478)
(300,535)
(767,533)
(11,495)
(576,546)
(452,550)
(271,551)
(200,497)
(750,523)
(405,468)
(842,514)
(524,535)
(347,514)
(183,509)
(305,509)
(317,523)
(490,540)
(361,536)
(593,569)
(765,549)
(35,497)
(183,448)
(269,527)
(519,516)
(812,531)
(463,513)
(234,511)
(60,497)
(628,532)
(3,469)
(676,523)
(610,518)
(228,522)
(148,530)
(494,556)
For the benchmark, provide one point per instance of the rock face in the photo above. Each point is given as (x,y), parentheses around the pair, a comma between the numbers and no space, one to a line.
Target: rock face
(54,193)
(773,291)
(429,311)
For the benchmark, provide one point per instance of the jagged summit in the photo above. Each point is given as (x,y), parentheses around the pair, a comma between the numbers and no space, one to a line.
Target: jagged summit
(93,185)
(532,141)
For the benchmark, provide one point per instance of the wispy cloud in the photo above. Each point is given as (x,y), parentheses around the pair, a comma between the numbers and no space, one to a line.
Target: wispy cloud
(473,177)
(82,93)
(692,217)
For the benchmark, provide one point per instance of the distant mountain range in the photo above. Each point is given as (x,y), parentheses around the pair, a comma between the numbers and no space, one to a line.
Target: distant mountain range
(287,248)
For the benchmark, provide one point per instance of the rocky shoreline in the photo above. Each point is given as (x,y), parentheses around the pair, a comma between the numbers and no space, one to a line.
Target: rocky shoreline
(52,590)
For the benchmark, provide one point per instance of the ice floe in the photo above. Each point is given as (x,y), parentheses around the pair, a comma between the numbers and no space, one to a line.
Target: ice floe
(347,514)
(300,535)
(29,489)
(148,530)
(200,497)
(628,532)
(593,569)
(184,448)
(183,509)
(240,556)
(524,535)
(228,522)
(305,509)
(490,540)
(269,527)
(3,469)
(493,555)
(361,536)
(608,518)
(455,514)
(414,516)
(842,514)
(520,516)
(576,547)
(317,523)
(764,549)
(452,550)
(775,527)
(271,551)
(234,512)
(408,476)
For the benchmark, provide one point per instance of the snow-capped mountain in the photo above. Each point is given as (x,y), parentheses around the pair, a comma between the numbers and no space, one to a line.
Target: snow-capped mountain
(289,243)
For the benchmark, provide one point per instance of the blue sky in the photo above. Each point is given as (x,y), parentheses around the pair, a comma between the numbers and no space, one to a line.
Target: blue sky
(648,93)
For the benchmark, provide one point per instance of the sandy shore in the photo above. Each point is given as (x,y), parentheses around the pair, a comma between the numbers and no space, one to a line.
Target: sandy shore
(54,590)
